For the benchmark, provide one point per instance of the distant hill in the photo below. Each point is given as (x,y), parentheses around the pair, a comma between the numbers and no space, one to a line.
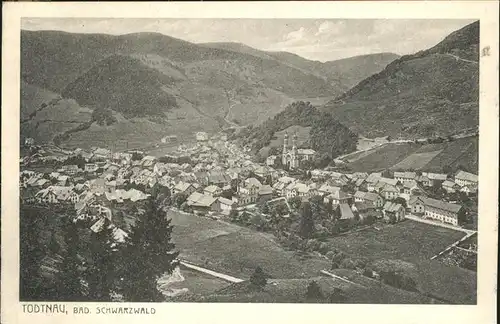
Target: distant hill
(176,85)
(326,135)
(433,92)
(341,74)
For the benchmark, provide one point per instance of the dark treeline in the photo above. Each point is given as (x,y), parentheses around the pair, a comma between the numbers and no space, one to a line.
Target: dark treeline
(63,260)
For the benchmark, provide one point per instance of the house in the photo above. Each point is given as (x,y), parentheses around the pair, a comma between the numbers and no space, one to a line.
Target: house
(271,160)
(65,194)
(417,205)
(423,180)
(281,184)
(409,187)
(393,212)
(98,186)
(338,197)
(202,203)
(201,136)
(346,219)
(443,211)
(450,186)
(372,198)
(326,190)
(219,179)
(226,205)
(463,178)
(148,161)
(100,154)
(46,196)
(63,180)
(265,193)
(435,178)
(70,169)
(405,176)
(90,167)
(184,187)
(389,192)
(469,189)
(213,191)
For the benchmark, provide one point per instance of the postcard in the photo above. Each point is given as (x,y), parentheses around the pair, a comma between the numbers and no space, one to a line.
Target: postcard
(241,162)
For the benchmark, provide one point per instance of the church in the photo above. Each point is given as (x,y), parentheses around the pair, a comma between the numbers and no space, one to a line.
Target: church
(292,158)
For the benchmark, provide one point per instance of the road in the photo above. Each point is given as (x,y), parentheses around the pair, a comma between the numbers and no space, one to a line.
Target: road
(340,278)
(211,272)
(435,223)
(461,59)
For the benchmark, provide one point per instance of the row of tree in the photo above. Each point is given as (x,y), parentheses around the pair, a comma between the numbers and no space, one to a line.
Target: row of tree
(96,266)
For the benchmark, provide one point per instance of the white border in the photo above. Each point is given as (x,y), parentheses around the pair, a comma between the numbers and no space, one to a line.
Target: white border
(486,11)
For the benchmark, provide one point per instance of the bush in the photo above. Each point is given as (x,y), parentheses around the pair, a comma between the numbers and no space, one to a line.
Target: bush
(337,296)
(314,291)
(258,278)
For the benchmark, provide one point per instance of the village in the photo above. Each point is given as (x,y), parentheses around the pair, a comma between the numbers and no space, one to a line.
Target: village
(216,179)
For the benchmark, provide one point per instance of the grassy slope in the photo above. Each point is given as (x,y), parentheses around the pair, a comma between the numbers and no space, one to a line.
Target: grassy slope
(459,153)
(237,251)
(293,291)
(415,243)
(427,93)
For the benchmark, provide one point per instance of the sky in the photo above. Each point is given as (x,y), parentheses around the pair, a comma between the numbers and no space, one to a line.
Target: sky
(315,39)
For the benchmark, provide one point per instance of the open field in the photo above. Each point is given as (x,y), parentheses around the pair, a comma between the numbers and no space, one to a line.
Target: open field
(294,290)
(408,247)
(198,283)
(237,251)
(410,241)
(416,161)
(460,153)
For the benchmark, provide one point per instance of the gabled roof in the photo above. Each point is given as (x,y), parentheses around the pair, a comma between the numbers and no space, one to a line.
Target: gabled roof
(265,190)
(373,178)
(390,206)
(253,182)
(406,175)
(392,182)
(211,189)
(448,183)
(338,195)
(462,175)
(226,201)
(200,200)
(182,186)
(360,194)
(346,211)
(437,176)
(371,196)
(328,188)
(439,204)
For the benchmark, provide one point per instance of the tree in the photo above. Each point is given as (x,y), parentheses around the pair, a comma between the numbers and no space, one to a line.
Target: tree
(68,281)
(258,278)
(147,255)
(314,292)
(54,247)
(101,272)
(401,201)
(295,202)
(179,199)
(337,296)
(31,255)
(306,225)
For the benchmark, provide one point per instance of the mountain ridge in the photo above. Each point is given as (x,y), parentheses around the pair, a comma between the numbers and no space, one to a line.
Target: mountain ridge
(433,92)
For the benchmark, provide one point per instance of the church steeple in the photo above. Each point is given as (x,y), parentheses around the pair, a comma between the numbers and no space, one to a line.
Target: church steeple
(294,143)
(285,143)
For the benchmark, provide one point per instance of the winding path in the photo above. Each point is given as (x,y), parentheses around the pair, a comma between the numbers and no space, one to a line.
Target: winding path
(461,59)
